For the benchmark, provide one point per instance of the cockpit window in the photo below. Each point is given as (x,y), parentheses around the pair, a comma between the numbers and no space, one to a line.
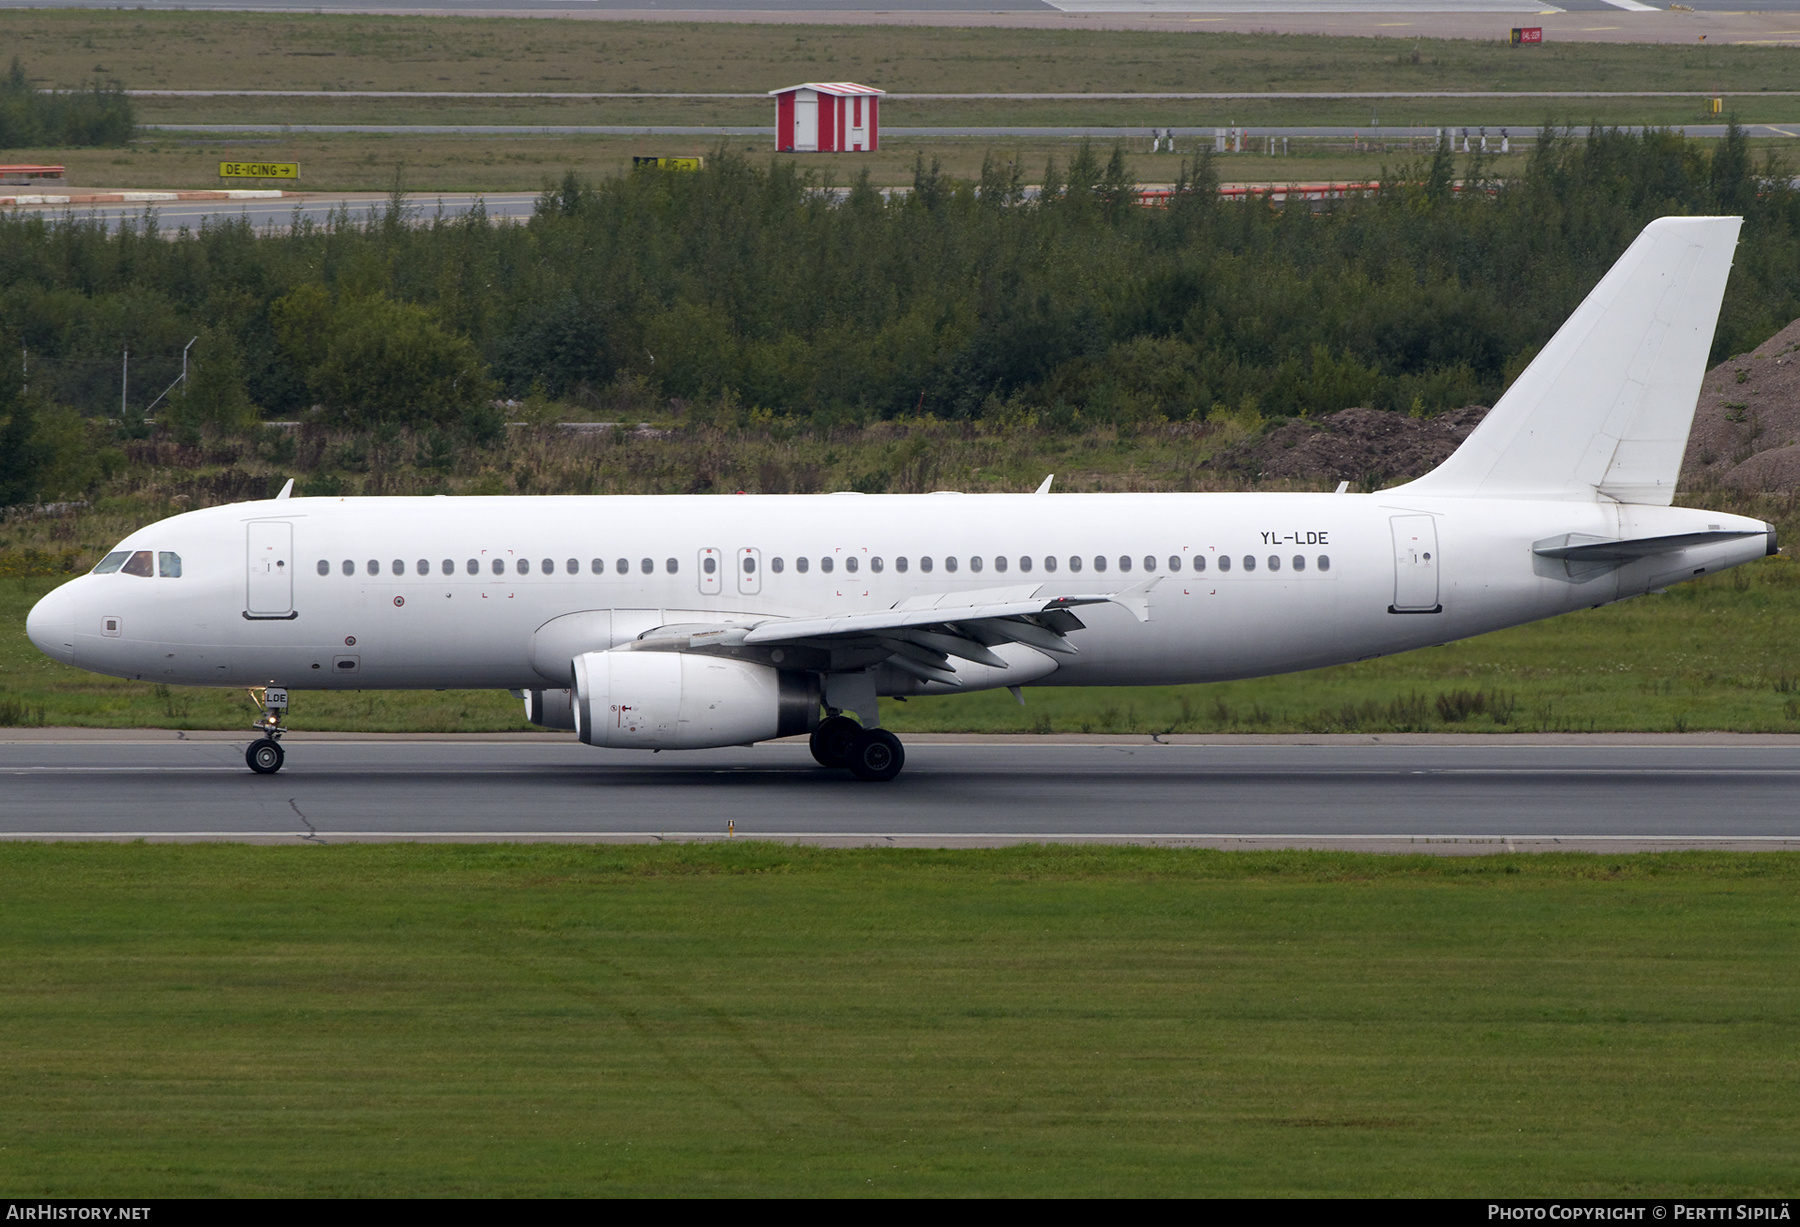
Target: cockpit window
(112,562)
(168,565)
(139,564)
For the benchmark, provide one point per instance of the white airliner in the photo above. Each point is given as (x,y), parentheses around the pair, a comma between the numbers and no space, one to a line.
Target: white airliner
(671,622)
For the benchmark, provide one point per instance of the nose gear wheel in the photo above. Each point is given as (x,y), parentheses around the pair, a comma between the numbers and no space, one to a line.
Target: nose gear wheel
(265,756)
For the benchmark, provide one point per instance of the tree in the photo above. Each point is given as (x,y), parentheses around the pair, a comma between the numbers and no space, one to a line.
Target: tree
(213,397)
(24,456)
(387,361)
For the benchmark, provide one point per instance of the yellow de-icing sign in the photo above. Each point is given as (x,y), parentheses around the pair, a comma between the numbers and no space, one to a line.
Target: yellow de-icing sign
(259,170)
(670,163)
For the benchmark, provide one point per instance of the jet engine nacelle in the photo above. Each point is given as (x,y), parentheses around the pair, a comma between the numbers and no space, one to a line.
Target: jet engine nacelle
(686,701)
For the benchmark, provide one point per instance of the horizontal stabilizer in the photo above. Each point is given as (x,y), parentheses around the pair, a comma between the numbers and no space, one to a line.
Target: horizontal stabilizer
(1579,547)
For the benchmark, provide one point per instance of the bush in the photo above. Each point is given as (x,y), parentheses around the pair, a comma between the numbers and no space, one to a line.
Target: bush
(95,114)
(371,360)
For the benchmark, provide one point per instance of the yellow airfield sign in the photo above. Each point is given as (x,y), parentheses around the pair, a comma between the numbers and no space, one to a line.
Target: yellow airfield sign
(259,170)
(670,163)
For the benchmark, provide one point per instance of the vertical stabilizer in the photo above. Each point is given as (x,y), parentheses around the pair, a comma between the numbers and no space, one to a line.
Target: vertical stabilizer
(1603,411)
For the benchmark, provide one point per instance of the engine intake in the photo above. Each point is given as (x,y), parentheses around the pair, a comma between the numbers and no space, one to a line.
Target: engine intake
(687,701)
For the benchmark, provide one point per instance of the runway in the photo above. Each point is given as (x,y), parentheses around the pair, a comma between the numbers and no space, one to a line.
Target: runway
(1421,794)
(172,215)
(830,10)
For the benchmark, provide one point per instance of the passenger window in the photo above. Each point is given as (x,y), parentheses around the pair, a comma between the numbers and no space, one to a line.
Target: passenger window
(1049,562)
(1099,562)
(1299,562)
(598,566)
(1174,562)
(168,565)
(1025,562)
(802,563)
(573,566)
(876,565)
(373,566)
(622,566)
(499,566)
(474,567)
(672,566)
(1224,562)
(424,567)
(324,567)
(1124,562)
(825,564)
(399,566)
(1199,563)
(547,566)
(113,561)
(1274,562)
(950,564)
(349,567)
(709,564)
(1149,563)
(523,566)
(900,564)
(777,565)
(1000,562)
(449,567)
(925,564)
(749,565)
(647,566)
(850,564)
(1249,562)
(1075,563)
(1324,562)
(975,563)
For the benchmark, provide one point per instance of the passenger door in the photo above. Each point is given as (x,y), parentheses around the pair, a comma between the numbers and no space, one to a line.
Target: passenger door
(271,569)
(749,571)
(1415,565)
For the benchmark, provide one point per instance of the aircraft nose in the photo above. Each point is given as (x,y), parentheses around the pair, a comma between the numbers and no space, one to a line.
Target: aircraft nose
(51,625)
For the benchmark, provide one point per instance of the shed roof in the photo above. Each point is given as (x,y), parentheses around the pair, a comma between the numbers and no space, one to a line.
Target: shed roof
(841,89)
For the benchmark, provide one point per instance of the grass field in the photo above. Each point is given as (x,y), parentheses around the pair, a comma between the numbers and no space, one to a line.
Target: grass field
(755,1019)
(311,51)
(366,163)
(329,52)
(1523,115)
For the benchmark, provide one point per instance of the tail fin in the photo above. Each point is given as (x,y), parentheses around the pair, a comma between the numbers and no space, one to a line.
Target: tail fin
(1603,411)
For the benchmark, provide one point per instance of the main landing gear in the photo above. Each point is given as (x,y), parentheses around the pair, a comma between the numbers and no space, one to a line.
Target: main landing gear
(870,754)
(264,755)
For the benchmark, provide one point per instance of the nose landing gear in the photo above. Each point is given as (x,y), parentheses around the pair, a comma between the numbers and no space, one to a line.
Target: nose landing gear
(264,755)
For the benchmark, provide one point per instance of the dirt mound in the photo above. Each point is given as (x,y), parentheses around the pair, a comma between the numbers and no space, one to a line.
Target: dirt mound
(1747,425)
(1369,447)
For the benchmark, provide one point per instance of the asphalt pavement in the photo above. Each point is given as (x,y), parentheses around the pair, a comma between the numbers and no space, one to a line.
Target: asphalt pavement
(1443,794)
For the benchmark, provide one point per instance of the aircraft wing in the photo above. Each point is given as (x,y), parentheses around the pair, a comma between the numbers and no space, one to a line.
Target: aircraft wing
(918,635)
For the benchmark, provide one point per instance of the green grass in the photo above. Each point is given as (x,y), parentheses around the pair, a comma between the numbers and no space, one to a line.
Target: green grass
(311,51)
(1523,115)
(345,52)
(753,1019)
(367,163)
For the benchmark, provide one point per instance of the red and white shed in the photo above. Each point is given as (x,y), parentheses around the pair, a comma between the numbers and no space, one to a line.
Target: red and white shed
(828,117)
